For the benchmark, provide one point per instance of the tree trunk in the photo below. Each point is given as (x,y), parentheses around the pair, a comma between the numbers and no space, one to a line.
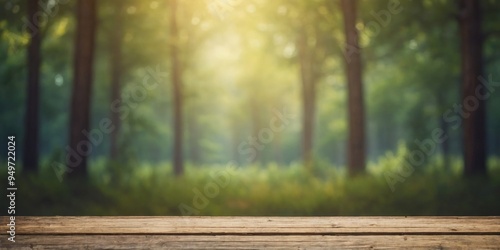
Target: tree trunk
(472,68)
(31,126)
(356,136)
(82,86)
(496,147)
(116,75)
(177,91)
(308,99)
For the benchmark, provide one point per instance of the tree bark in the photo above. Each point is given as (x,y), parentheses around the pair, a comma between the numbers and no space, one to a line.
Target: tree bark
(31,126)
(308,99)
(178,161)
(82,86)
(356,137)
(116,76)
(474,132)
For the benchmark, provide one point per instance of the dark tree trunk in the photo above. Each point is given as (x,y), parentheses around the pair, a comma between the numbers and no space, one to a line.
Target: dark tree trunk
(308,99)
(356,137)
(116,75)
(472,67)
(82,85)
(30,157)
(496,147)
(178,161)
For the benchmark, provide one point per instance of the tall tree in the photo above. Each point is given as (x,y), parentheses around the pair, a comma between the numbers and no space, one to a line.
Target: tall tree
(82,85)
(116,74)
(308,79)
(356,119)
(176,74)
(32,95)
(472,67)
(313,48)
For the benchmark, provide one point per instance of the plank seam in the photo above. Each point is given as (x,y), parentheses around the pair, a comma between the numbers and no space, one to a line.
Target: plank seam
(279,234)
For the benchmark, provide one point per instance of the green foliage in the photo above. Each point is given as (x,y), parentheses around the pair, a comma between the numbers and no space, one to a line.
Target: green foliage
(236,71)
(254,190)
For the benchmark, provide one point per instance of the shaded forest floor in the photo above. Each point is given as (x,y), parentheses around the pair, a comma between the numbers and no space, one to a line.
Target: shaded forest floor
(271,190)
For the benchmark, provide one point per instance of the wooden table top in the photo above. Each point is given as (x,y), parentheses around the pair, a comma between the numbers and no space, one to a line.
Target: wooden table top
(63,232)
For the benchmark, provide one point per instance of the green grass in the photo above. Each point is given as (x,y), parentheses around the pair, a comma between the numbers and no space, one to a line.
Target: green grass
(270,190)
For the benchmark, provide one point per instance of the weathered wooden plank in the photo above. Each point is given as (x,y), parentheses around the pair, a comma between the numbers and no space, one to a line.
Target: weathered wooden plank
(256,225)
(253,242)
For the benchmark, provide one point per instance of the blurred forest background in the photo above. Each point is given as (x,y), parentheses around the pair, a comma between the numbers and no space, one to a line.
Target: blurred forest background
(252,107)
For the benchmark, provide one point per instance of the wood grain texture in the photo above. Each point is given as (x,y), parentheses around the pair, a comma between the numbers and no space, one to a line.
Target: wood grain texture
(253,242)
(253,232)
(256,225)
